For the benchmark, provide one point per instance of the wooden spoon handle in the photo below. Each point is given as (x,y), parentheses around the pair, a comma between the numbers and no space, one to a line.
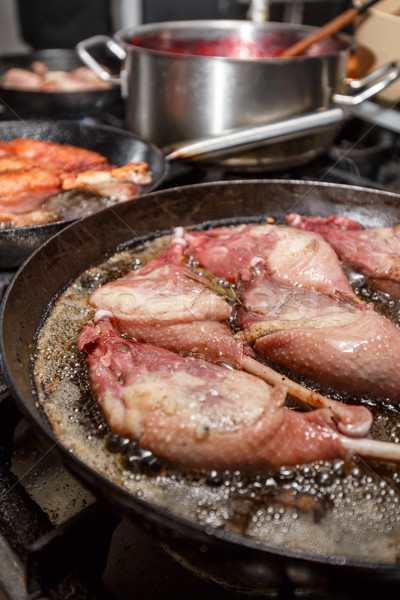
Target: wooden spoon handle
(323,32)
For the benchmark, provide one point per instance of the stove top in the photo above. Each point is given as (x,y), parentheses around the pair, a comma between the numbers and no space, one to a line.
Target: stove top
(44,508)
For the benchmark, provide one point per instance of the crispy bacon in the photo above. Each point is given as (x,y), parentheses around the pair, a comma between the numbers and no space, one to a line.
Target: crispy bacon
(32,171)
(64,156)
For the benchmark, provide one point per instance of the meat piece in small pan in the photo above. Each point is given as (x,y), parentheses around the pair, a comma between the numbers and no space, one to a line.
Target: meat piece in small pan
(33,171)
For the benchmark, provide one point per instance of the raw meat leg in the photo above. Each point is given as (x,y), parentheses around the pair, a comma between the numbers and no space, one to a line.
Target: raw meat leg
(292,258)
(374,252)
(325,339)
(197,414)
(166,304)
(200,415)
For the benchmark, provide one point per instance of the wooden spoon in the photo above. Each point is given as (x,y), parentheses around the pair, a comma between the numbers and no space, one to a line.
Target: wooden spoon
(326,30)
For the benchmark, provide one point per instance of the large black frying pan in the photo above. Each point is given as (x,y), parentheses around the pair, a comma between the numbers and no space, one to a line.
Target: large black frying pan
(253,533)
(32,104)
(117,145)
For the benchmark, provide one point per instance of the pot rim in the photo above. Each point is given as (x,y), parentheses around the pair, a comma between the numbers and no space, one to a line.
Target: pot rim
(122,36)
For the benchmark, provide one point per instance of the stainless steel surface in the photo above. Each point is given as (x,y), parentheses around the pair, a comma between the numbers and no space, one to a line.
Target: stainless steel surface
(371,85)
(83,51)
(377,115)
(248,138)
(174,97)
(259,10)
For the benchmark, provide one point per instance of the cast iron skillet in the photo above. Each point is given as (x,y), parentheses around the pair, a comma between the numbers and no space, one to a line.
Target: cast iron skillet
(228,550)
(31,104)
(117,145)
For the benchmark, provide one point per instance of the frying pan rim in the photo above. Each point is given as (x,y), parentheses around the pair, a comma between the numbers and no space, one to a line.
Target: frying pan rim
(157,515)
(81,123)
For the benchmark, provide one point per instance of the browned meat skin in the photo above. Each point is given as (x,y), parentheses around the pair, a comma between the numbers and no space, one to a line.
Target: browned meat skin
(197,414)
(291,257)
(118,182)
(64,156)
(32,171)
(166,304)
(374,252)
(25,191)
(325,339)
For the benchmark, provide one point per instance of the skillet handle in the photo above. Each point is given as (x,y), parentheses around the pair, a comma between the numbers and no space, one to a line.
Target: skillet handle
(247,138)
(370,85)
(83,48)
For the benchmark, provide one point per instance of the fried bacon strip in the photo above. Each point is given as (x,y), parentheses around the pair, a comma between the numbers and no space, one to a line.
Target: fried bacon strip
(63,156)
(108,183)
(32,171)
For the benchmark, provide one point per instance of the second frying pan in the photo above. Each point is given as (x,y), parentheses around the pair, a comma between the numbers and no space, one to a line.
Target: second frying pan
(117,145)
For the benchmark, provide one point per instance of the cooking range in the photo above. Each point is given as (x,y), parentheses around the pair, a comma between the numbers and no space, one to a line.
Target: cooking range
(78,547)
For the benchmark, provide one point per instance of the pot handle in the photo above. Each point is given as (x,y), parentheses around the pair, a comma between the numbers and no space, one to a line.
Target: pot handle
(370,85)
(83,48)
(247,138)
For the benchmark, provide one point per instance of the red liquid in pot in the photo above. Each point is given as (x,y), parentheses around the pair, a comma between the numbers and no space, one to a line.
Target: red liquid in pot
(230,46)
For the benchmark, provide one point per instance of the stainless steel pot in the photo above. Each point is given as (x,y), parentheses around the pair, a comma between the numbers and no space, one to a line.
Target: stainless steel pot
(172,97)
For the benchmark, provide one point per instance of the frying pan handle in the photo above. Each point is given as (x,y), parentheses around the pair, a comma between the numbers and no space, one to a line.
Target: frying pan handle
(247,138)
(370,85)
(83,49)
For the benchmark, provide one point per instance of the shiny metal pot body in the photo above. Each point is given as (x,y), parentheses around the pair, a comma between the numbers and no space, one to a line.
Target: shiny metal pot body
(173,97)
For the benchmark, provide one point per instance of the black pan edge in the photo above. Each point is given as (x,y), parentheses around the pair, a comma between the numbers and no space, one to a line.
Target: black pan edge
(13,364)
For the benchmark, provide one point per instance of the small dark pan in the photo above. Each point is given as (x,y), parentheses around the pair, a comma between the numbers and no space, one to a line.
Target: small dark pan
(117,145)
(30,104)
